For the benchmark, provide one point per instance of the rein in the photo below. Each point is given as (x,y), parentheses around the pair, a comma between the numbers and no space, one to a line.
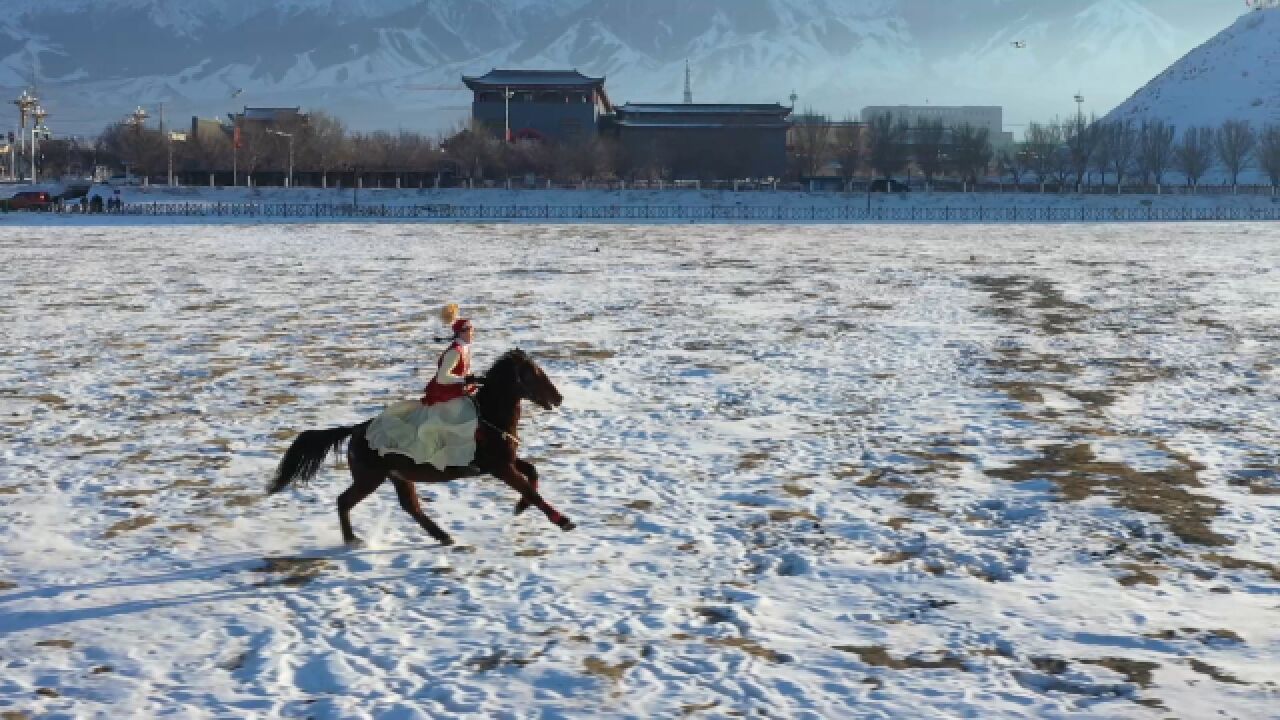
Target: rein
(509,436)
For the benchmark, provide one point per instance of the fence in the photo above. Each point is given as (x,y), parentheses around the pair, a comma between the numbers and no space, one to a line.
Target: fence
(697,213)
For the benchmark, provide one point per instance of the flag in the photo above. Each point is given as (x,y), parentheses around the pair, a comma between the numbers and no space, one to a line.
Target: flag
(235,138)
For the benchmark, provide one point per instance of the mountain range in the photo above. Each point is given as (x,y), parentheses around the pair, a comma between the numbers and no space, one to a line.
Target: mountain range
(396,63)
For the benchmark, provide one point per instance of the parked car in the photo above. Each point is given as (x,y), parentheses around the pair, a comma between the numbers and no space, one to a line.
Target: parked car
(29,200)
(889,185)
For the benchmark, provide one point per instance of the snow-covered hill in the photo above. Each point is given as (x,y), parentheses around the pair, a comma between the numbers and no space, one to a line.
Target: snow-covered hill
(1235,75)
(387,63)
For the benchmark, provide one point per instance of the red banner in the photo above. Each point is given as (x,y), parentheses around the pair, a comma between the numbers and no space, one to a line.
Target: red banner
(235,138)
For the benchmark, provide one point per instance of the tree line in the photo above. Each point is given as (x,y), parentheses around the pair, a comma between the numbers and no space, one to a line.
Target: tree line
(1072,152)
(1147,152)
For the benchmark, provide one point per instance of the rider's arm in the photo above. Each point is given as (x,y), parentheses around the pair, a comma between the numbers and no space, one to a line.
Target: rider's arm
(445,375)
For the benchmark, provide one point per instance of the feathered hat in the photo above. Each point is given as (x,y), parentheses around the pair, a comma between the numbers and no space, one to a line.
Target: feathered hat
(449,316)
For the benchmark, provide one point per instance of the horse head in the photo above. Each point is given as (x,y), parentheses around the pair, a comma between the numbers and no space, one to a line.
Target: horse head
(527,380)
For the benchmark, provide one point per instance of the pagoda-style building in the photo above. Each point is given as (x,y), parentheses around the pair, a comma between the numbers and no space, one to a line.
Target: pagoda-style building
(557,105)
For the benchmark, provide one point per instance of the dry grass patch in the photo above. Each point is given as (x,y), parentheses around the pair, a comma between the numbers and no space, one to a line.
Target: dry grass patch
(295,571)
(878,656)
(1135,671)
(129,525)
(750,647)
(64,644)
(601,668)
(1080,475)
(782,516)
(1234,563)
(1214,672)
(795,490)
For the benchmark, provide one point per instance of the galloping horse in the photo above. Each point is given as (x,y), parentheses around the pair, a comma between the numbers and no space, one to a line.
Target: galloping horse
(514,377)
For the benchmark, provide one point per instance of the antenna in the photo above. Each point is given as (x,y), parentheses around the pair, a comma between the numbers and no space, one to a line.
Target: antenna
(688,85)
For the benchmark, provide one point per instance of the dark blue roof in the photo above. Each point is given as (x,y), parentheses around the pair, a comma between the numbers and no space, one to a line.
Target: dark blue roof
(703,109)
(531,78)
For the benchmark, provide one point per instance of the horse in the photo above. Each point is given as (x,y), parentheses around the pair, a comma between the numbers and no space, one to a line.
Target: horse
(514,377)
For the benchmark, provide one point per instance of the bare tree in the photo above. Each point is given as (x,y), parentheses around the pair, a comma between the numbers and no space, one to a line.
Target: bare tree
(323,145)
(1193,155)
(210,152)
(1235,142)
(1269,154)
(1100,161)
(1043,142)
(927,147)
(1155,150)
(1013,162)
(972,151)
(846,149)
(887,140)
(1081,136)
(1121,141)
(812,143)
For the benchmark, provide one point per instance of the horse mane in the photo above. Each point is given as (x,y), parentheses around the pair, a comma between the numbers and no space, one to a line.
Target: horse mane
(506,366)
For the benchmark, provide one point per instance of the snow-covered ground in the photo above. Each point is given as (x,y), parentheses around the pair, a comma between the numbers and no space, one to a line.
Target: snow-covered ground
(817,472)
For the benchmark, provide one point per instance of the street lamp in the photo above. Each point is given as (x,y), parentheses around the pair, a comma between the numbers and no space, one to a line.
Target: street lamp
(38,114)
(277,133)
(25,102)
(1080,108)
(173,138)
(507,94)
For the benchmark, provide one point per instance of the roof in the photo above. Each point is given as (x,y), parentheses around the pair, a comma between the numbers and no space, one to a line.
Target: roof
(531,78)
(700,116)
(269,113)
(704,109)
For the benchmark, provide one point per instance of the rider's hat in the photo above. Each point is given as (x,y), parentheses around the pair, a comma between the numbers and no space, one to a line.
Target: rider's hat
(449,316)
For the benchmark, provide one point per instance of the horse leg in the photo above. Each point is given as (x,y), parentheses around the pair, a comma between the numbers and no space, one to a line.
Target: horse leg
(530,472)
(362,484)
(408,495)
(517,481)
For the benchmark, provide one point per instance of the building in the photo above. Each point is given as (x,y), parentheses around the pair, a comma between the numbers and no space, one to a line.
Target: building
(558,105)
(696,141)
(268,117)
(990,117)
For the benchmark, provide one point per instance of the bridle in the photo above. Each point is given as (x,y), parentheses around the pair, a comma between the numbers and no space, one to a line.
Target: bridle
(524,393)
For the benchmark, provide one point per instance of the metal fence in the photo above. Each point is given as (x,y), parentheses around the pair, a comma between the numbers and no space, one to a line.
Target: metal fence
(698,213)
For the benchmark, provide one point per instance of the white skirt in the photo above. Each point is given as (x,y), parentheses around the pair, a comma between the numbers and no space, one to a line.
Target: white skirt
(442,435)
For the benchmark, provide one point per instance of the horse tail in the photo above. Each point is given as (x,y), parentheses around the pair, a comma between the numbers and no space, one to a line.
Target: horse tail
(304,457)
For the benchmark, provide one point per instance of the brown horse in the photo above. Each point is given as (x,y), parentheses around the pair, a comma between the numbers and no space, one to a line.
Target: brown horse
(514,377)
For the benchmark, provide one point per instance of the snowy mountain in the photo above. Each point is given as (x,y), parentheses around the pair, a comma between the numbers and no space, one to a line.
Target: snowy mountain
(388,63)
(1235,75)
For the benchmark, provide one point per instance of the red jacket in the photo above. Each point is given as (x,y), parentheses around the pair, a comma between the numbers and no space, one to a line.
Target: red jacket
(437,392)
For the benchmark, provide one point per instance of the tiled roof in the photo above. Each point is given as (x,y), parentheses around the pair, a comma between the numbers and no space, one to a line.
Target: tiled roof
(531,78)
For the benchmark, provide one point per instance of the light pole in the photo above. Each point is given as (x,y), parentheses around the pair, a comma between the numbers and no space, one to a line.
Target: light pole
(507,94)
(173,138)
(1080,108)
(25,102)
(137,119)
(289,136)
(38,115)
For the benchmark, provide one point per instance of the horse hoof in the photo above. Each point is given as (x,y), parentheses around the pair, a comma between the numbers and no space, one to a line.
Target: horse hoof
(355,543)
(521,507)
(566,524)
(445,540)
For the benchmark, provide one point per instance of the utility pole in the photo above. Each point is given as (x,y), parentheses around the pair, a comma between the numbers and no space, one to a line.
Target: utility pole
(289,137)
(688,85)
(38,115)
(506,96)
